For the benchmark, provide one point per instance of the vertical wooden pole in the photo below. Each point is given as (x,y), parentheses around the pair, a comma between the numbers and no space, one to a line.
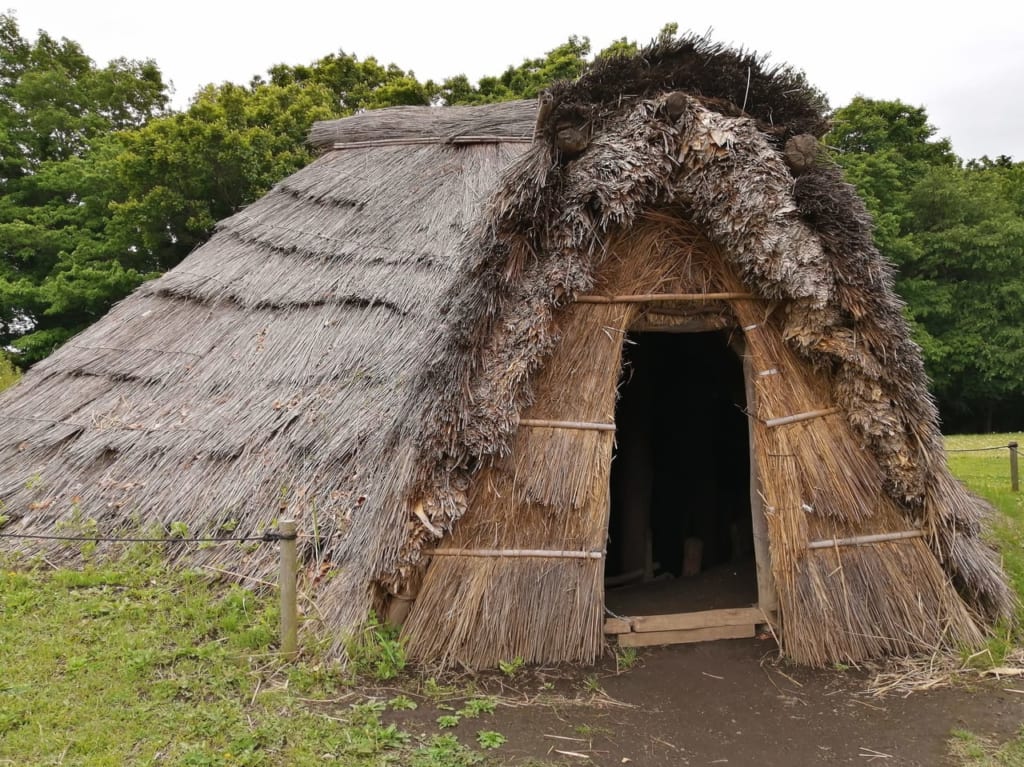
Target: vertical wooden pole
(1014,475)
(288,577)
(767,596)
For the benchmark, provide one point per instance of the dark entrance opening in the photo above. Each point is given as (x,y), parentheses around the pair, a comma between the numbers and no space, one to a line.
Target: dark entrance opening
(680,531)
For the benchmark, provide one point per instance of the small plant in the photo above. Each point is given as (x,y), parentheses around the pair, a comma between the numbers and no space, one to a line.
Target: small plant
(377,651)
(446,721)
(447,751)
(435,691)
(511,667)
(490,739)
(625,658)
(178,530)
(402,703)
(476,706)
(592,684)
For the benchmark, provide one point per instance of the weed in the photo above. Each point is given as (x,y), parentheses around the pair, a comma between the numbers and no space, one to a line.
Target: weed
(476,706)
(376,651)
(446,721)
(444,751)
(511,667)
(625,658)
(436,691)
(592,684)
(402,703)
(490,739)
(178,530)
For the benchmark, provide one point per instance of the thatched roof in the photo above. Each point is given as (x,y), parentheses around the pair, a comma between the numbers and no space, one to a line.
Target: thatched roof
(359,343)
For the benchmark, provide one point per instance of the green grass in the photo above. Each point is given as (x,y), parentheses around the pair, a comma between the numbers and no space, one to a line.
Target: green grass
(970,750)
(987,473)
(130,663)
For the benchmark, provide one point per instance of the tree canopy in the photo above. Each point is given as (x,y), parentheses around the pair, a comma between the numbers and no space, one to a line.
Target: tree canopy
(955,232)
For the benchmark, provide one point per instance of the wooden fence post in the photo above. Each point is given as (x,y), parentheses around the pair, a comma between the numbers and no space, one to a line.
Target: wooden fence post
(1014,476)
(288,577)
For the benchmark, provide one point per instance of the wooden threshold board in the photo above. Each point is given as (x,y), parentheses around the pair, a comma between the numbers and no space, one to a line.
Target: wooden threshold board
(648,638)
(675,628)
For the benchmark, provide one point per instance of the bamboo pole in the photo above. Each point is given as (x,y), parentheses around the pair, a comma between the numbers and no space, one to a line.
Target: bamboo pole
(289,609)
(783,420)
(581,425)
(542,553)
(647,298)
(860,540)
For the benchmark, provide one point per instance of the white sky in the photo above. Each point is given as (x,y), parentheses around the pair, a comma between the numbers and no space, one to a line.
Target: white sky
(965,65)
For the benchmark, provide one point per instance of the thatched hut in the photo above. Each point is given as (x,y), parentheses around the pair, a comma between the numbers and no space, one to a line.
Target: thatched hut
(415,346)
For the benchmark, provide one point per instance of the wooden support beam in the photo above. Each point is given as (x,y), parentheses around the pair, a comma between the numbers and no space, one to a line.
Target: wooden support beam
(647,639)
(581,425)
(650,298)
(617,626)
(767,596)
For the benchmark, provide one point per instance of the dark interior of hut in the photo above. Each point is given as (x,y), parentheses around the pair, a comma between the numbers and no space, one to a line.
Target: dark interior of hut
(680,532)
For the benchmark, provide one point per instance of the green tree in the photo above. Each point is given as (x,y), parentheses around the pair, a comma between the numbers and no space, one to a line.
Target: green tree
(55,106)
(956,235)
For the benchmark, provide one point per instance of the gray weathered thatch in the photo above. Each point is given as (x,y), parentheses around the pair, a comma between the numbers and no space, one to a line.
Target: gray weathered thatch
(360,345)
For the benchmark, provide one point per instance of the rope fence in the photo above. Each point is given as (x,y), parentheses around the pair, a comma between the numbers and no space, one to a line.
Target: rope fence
(286,535)
(1014,468)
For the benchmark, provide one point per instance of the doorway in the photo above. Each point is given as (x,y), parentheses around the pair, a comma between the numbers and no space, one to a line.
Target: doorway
(680,526)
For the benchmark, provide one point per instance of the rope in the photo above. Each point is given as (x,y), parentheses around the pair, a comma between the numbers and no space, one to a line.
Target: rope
(267,537)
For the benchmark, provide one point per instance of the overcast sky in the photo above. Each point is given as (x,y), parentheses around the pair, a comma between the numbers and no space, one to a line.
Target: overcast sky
(965,66)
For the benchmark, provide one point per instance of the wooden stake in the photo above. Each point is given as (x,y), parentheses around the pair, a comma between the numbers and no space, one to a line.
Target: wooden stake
(289,609)
(1014,475)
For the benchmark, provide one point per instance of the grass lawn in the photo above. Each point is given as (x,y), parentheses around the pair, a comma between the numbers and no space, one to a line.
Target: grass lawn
(131,663)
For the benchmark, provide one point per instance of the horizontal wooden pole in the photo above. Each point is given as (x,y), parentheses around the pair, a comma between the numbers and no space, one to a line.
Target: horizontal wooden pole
(783,420)
(542,553)
(860,540)
(647,298)
(648,638)
(581,425)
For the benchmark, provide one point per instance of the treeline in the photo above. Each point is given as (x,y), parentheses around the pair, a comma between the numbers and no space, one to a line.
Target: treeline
(102,186)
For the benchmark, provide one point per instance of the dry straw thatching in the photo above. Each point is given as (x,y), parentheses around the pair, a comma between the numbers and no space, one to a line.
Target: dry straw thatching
(360,346)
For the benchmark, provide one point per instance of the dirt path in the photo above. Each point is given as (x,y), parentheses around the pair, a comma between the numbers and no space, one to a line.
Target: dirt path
(729,703)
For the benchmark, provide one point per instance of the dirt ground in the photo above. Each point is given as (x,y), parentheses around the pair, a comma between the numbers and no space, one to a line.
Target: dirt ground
(728,702)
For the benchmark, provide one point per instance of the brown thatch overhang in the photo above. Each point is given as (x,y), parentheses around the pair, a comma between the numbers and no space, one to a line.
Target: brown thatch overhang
(360,343)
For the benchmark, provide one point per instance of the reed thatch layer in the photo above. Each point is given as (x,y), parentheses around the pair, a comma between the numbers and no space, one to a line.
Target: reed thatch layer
(264,373)
(510,120)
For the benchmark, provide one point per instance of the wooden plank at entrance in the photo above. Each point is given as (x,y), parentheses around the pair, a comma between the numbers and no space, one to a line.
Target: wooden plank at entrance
(734,616)
(648,638)
(617,626)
